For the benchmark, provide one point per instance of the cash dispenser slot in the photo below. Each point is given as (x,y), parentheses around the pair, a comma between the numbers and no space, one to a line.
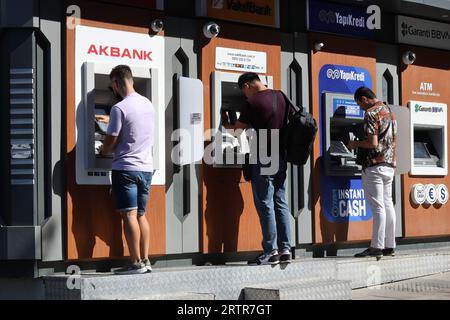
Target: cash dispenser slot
(426,145)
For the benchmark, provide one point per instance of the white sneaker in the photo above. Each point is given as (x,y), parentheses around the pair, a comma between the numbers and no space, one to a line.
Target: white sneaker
(285,256)
(134,268)
(147,264)
(265,258)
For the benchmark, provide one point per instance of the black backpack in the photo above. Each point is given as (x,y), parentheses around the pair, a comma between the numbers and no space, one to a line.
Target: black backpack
(299,132)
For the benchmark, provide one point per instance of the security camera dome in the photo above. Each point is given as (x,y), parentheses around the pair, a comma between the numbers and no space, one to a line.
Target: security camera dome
(215,29)
(211,30)
(409,57)
(157,25)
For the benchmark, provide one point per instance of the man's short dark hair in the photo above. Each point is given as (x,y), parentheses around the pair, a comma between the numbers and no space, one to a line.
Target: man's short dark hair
(120,73)
(364,92)
(247,77)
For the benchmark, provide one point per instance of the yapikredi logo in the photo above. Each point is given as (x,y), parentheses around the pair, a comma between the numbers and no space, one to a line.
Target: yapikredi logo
(359,21)
(338,74)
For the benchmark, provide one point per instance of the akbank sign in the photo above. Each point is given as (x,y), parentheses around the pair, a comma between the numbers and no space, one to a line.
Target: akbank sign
(333,18)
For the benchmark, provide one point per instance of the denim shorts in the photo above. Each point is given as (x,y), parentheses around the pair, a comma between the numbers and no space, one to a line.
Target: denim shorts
(131,190)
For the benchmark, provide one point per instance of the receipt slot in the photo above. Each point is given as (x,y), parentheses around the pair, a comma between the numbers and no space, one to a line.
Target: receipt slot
(428,138)
(344,121)
(226,96)
(98,99)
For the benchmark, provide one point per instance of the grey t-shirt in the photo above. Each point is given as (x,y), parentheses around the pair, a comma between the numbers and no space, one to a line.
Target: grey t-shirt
(133,121)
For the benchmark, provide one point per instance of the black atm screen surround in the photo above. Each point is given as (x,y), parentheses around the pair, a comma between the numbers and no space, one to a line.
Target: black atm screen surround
(232,100)
(104,100)
(343,122)
(425,154)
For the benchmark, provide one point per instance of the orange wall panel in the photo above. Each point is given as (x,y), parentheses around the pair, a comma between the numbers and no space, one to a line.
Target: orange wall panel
(431,66)
(230,222)
(94,229)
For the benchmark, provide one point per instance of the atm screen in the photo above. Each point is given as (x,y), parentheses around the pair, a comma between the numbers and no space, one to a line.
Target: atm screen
(421,151)
(232,100)
(232,97)
(102,109)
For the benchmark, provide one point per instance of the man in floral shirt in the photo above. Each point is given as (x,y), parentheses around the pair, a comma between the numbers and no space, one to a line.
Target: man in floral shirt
(378,170)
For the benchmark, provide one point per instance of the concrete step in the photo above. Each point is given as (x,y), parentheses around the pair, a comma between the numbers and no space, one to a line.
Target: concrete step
(226,282)
(179,296)
(318,289)
(435,287)
(367,272)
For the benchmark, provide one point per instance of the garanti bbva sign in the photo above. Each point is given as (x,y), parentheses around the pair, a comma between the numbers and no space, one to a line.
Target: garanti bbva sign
(260,12)
(423,33)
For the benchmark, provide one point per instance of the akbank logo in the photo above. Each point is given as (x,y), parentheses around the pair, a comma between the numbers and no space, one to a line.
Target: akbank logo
(337,74)
(404,29)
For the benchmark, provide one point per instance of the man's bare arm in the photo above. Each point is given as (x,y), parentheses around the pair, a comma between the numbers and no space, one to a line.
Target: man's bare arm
(108,145)
(238,125)
(370,143)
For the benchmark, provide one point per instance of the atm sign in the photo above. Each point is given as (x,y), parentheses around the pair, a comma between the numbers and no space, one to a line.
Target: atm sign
(108,51)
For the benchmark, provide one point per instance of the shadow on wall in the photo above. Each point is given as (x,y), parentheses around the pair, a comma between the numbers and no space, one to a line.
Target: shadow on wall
(224,207)
(330,232)
(93,217)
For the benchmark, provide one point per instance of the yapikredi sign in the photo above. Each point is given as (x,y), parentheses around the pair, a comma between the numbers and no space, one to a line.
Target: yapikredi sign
(339,19)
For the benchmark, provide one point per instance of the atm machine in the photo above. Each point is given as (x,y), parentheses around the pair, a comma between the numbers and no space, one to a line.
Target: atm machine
(97,52)
(229,151)
(98,99)
(344,121)
(428,138)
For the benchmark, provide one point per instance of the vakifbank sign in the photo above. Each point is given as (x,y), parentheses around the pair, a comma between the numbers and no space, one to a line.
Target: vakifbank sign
(339,19)
(423,32)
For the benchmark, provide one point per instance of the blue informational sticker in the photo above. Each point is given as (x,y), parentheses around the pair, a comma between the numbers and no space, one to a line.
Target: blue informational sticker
(342,198)
(352,110)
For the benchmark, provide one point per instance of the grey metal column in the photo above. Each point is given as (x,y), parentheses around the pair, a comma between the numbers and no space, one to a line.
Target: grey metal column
(295,82)
(182,183)
(51,23)
(31,79)
(388,90)
(21,233)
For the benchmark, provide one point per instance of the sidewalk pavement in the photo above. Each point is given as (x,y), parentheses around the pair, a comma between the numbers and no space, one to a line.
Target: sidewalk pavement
(435,287)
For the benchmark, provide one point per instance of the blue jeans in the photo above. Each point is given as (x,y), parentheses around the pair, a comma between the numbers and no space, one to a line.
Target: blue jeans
(131,190)
(269,194)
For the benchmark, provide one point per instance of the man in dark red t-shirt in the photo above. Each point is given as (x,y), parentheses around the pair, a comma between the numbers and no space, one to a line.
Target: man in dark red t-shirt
(269,190)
